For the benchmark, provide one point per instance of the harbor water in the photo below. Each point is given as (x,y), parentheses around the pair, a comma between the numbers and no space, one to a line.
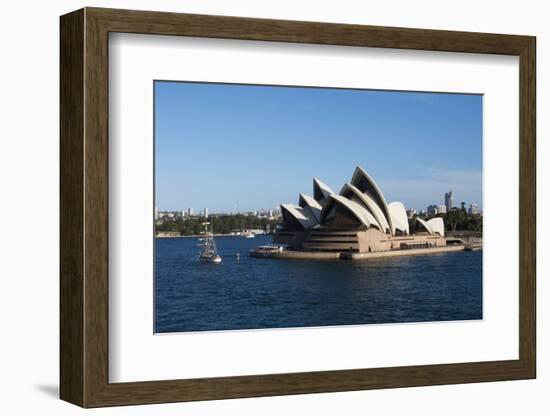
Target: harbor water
(253,293)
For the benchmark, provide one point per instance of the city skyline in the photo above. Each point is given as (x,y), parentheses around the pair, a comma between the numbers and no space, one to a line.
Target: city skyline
(236,148)
(189,211)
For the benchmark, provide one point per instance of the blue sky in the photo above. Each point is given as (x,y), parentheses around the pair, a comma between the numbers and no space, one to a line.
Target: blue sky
(240,147)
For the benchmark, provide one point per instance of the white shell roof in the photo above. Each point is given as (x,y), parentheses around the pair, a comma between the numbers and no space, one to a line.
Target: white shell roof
(437,225)
(425,225)
(361,213)
(360,174)
(364,200)
(301,215)
(369,203)
(323,188)
(309,203)
(398,216)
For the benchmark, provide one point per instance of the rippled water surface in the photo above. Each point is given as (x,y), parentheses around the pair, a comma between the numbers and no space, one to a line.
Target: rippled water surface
(267,293)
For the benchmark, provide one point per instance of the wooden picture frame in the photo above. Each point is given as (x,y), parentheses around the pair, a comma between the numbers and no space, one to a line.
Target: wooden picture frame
(84,207)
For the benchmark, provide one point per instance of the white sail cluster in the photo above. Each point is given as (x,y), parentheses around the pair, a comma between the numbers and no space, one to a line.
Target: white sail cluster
(360,204)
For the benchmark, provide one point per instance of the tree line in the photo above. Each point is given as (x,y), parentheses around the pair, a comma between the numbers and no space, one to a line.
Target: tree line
(455,220)
(219,224)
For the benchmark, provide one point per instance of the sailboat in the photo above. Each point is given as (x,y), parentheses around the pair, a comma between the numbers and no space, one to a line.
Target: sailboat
(209,253)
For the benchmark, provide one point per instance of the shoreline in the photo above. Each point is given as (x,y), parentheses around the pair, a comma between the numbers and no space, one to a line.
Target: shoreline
(342,255)
(201,235)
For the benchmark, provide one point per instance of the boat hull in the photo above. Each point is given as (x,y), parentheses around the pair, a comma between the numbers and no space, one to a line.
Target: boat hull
(214,259)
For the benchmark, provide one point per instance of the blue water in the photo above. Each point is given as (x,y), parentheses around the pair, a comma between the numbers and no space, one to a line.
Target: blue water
(268,293)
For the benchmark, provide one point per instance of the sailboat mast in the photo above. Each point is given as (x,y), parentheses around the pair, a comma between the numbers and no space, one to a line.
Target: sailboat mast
(213,242)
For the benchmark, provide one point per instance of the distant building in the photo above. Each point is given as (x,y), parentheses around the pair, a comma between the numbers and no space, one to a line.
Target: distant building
(432,209)
(189,212)
(449,200)
(473,210)
(205,212)
(442,209)
(156,213)
(263,213)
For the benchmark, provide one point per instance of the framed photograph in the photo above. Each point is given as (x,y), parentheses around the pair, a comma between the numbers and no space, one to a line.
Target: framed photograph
(255,207)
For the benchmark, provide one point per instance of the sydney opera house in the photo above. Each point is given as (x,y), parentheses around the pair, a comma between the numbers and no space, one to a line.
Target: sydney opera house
(356,220)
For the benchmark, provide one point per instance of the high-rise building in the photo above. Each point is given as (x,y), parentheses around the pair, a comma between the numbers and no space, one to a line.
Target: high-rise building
(205,212)
(449,200)
(189,212)
(156,213)
(442,209)
(473,210)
